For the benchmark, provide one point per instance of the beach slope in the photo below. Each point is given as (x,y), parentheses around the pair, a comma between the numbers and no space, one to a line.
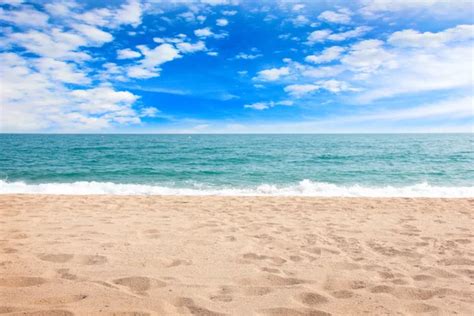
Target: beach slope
(151,255)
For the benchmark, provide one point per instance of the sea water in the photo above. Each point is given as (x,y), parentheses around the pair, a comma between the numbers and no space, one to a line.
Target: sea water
(411,165)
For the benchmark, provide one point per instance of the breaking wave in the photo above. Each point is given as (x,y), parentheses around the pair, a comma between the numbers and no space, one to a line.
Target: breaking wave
(303,188)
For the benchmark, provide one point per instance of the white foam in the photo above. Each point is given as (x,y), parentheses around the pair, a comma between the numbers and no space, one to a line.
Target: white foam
(303,188)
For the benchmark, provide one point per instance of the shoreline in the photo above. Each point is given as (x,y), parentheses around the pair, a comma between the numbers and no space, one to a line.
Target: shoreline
(236,255)
(164,196)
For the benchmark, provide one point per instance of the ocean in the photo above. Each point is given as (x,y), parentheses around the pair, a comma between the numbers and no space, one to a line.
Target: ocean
(383,165)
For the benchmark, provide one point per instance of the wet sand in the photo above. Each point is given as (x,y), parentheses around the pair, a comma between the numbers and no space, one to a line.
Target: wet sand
(142,255)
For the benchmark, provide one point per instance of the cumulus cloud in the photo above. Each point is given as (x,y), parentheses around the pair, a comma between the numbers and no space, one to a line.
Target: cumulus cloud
(272,74)
(300,90)
(222,22)
(412,38)
(267,105)
(368,56)
(204,32)
(35,97)
(298,7)
(127,53)
(327,55)
(229,12)
(323,35)
(335,86)
(94,34)
(243,55)
(439,8)
(187,48)
(26,16)
(129,13)
(342,16)
(57,70)
(148,67)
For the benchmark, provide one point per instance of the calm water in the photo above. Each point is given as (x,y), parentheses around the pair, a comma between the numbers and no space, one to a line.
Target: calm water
(212,163)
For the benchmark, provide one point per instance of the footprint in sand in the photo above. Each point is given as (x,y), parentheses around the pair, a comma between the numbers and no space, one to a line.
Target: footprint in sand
(311,299)
(342,294)
(8,309)
(58,258)
(273,280)
(221,298)
(419,308)
(129,314)
(254,256)
(188,303)
(178,262)
(257,290)
(283,311)
(138,284)
(9,250)
(60,300)
(21,281)
(55,312)
(457,261)
(152,233)
(406,293)
(64,274)
(92,260)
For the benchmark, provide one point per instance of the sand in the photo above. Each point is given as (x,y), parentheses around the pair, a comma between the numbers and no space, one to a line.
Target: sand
(118,255)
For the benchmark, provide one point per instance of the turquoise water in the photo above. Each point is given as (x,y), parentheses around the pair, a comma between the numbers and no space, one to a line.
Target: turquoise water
(266,164)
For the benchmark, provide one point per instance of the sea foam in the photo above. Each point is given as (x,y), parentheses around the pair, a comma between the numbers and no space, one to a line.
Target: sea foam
(303,188)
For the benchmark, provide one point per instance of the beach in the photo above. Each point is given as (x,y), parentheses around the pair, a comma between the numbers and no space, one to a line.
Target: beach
(209,255)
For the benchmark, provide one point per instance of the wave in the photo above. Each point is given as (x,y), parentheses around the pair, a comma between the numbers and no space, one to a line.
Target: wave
(303,188)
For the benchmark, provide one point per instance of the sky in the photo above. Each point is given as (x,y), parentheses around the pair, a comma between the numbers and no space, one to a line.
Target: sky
(236,66)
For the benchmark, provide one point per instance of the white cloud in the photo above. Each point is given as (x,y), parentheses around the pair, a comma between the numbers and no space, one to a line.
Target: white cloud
(445,69)
(222,22)
(257,106)
(61,71)
(129,13)
(267,105)
(60,9)
(149,112)
(318,36)
(94,34)
(323,35)
(11,2)
(57,44)
(298,7)
(216,2)
(369,56)
(247,56)
(127,53)
(204,32)
(412,38)
(438,8)
(335,86)
(300,20)
(149,66)
(300,90)
(229,12)
(343,16)
(25,16)
(322,72)
(272,74)
(191,48)
(213,54)
(452,108)
(327,55)
(187,16)
(358,31)
(34,98)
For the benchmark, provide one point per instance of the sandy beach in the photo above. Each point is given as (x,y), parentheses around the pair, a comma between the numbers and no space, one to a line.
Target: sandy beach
(151,255)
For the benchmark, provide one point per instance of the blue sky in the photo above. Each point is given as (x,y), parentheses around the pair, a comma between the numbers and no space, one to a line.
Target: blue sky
(235,66)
